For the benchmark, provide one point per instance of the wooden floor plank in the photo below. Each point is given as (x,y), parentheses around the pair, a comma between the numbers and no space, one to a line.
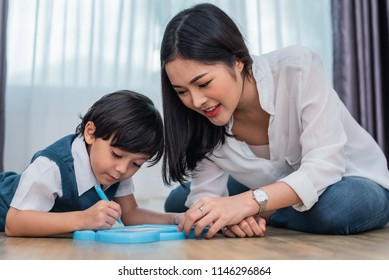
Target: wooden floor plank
(278,244)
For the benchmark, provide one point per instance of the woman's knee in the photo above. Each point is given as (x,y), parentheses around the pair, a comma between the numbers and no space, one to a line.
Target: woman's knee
(350,206)
(234,187)
(175,202)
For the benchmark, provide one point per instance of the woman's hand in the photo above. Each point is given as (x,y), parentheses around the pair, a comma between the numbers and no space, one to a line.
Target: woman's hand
(219,212)
(248,227)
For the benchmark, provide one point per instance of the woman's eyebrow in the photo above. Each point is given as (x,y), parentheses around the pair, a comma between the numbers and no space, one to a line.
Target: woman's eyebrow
(197,77)
(193,80)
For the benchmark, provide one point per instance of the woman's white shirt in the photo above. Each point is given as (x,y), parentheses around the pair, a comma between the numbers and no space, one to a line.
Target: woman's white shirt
(40,183)
(313,139)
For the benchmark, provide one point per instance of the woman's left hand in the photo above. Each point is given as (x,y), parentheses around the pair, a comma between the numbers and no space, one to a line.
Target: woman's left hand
(216,213)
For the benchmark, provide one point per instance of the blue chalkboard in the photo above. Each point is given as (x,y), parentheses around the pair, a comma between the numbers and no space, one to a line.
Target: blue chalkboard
(135,234)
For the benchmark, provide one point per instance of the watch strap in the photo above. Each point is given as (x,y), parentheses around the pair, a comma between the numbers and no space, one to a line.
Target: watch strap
(262,204)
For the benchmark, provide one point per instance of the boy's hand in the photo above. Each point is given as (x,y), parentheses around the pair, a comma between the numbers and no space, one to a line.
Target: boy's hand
(178,218)
(101,215)
(248,227)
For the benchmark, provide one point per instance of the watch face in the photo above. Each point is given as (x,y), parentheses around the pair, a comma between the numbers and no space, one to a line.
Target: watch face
(260,195)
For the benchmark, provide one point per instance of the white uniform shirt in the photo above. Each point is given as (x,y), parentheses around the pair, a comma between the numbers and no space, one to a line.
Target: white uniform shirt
(313,139)
(40,183)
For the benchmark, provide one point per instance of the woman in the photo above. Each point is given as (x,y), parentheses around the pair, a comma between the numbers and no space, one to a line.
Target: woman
(273,123)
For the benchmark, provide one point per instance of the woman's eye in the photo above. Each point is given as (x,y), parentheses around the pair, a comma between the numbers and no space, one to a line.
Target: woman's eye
(204,85)
(181,92)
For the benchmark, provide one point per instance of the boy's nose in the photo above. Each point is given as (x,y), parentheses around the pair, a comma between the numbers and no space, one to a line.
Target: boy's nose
(122,167)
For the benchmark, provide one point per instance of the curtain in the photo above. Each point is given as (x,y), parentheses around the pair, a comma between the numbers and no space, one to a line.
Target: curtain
(65,54)
(361,63)
(3,39)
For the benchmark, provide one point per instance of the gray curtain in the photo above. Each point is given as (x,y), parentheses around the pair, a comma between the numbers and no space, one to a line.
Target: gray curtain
(361,63)
(3,76)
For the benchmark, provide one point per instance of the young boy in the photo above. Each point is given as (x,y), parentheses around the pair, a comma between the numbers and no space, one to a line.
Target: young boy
(55,194)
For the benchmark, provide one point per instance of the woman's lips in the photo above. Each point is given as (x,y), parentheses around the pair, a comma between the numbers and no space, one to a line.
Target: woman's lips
(212,111)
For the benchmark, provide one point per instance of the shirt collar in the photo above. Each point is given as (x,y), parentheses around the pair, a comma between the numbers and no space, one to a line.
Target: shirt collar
(85,177)
(265,85)
(264,80)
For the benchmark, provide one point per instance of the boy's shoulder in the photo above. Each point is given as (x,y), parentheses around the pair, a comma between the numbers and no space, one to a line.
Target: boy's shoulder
(65,140)
(58,151)
(62,143)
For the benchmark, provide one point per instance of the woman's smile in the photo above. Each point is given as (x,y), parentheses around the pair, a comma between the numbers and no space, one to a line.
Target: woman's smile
(212,111)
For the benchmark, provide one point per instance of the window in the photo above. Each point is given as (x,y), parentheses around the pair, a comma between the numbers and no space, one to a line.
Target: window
(63,55)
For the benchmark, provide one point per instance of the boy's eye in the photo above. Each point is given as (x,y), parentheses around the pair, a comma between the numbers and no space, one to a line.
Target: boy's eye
(137,165)
(115,155)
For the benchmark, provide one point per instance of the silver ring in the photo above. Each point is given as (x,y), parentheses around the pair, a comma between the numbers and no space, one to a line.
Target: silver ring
(201,210)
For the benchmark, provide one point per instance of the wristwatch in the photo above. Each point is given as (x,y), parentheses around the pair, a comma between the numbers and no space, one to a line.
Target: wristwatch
(260,196)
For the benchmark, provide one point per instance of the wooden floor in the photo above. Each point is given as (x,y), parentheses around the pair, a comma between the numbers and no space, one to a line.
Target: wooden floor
(278,244)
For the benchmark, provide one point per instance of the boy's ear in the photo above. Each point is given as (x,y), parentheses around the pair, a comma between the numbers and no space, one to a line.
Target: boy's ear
(89,132)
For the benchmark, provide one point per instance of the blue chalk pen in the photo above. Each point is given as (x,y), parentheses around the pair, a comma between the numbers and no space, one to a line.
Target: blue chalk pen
(102,195)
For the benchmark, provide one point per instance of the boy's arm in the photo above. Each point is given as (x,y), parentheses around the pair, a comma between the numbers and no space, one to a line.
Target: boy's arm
(133,215)
(102,215)
(38,223)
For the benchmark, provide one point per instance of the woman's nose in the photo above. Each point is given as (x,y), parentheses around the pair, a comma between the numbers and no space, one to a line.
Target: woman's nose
(198,99)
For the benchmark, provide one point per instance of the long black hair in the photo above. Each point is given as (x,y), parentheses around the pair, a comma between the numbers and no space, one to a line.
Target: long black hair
(131,119)
(206,34)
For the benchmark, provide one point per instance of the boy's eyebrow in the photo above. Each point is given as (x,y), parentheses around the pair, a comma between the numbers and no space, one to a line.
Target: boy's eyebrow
(146,158)
(194,79)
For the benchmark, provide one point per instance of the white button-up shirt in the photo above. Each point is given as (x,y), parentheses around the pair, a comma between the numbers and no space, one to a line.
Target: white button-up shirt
(313,139)
(40,184)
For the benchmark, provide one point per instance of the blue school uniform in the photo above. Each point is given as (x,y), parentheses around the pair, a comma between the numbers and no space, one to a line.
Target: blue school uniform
(60,153)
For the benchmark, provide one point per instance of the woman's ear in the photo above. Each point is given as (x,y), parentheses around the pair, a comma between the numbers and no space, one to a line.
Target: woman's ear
(89,132)
(239,65)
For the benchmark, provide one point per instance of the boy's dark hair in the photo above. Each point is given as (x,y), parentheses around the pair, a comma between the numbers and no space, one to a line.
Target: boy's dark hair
(206,34)
(133,121)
